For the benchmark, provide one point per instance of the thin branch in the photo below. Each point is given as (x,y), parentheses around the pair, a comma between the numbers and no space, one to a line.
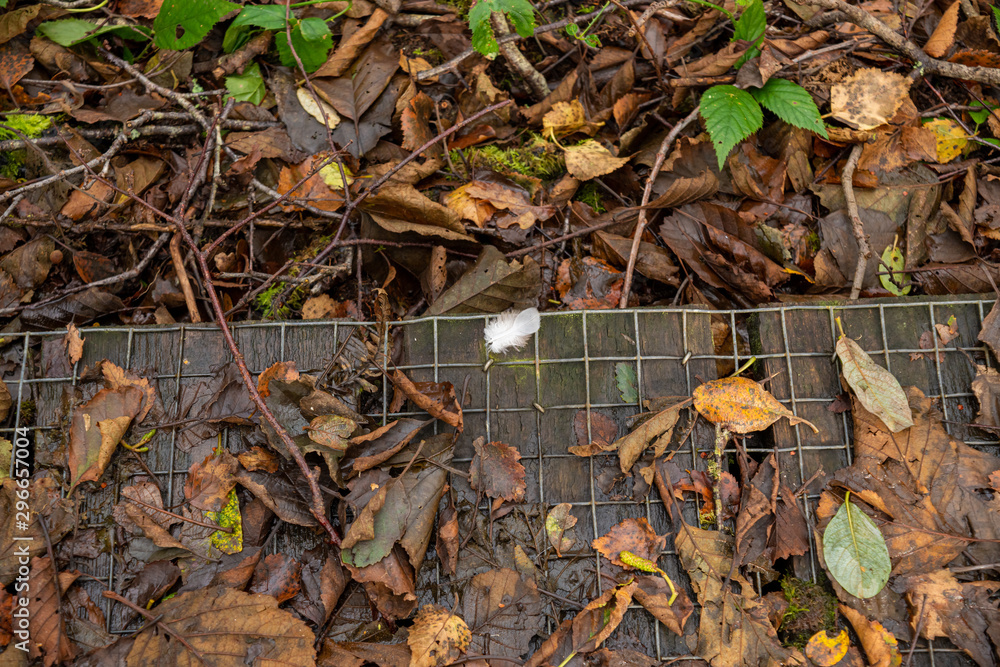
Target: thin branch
(857,226)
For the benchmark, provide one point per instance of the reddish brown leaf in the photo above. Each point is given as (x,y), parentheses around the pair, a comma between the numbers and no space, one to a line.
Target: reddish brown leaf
(634,535)
(496,470)
(278,575)
(439,400)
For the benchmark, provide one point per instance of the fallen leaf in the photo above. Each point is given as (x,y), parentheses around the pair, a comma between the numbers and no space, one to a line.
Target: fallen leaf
(317,108)
(439,400)
(654,594)
(986,387)
(48,627)
(566,118)
(223,624)
(655,431)
(951,138)
(74,343)
(633,535)
(876,388)
(590,159)
(515,200)
(559,528)
(504,611)
(741,405)
(44,499)
(868,98)
(944,34)
(438,637)
(96,428)
(880,645)
(496,470)
(827,651)
(313,190)
(491,285)
(855,552)
(209,482)
(603,433)
(470,208)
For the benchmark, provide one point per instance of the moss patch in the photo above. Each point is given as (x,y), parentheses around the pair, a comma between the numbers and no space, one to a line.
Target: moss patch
(810,609)
(538,158)
(18,126)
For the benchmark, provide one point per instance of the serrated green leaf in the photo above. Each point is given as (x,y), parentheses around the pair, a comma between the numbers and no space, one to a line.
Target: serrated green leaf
(855,552)
(897,283)
(314,29)
(876,388)
(183,23)
(520,13)
(247,87)
(791,103)
(312,53)
(627,382)
(69,32)
(731,115)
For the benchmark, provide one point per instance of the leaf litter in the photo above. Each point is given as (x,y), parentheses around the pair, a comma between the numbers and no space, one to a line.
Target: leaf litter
(456,205)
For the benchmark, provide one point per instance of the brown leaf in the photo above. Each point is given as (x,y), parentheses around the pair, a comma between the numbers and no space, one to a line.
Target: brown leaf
(313,191)
(559,527)
(279,576)
(96,428)
(372,449)
(209,482)
(868,98)
(741,405)
(603,433)
(566,118)
(634,535)
(491,285)
(986,387)
(879,644)
(348,49)
(74,343)
(438,637)
(15,60)
(447,538)
(511,199)
(587,630)
(353,93)
(48,629)
(357,654)
(652,261)
(944,34)
(469,207)
(496,470)
(416,123)
(43,500)
(220,621)
(439,400)
(588,283)
(655,431)
(504,611)
(653,593)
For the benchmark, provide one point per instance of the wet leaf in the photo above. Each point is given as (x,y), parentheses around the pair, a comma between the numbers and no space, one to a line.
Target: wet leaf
(559,528)
(223,624)
(504,611)
(855,552)
(496,470)
(874,386)
(438,637)
(228,517)
(880,645)
(356,91)
(96,428)
(741,405)
(602,436)
(633,535)
(447,538)
(439,401)
(897,283)
(627,382)
(566,118)
(44,499)
(48,627)
(74,343)
(944,34)
(590,159)
(654,595)
(209,482)
(655,432)
(951,138)
(492,285)
(825,650)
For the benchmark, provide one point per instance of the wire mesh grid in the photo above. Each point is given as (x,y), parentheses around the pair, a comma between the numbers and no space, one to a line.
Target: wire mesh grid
(530,400)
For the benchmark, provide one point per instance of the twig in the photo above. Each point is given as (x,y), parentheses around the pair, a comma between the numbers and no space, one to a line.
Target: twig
(858,227)
(203,524)
(863,19)
(182,277)
(517,60)
(111,595)
(640,226)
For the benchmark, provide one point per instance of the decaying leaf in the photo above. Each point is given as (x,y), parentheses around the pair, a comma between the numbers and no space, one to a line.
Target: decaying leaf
(445,407)
(559,527)
(827,651)
(633,535)
(504,611)
(880,645)
(97,427)
(496,470)
(438,637)
(951,138)
(868,98)
(492,285)
(602,435)
(741,405)
(874,386)
(590,159)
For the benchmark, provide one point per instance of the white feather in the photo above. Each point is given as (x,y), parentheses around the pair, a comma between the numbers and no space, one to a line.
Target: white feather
(511,330)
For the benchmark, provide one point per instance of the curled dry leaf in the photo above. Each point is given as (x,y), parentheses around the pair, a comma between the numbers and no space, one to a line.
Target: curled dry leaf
(880,645)
(741,405)
(655,431)
(876,388)
(438,637)
(944,34)
(445,407)
(559,528)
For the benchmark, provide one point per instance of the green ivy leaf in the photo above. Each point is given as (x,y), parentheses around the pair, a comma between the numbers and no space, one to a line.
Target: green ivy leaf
(855,552)
(627,382)
(791,103)
(247,87)
(183,23)
(69,32)
(731,116)
(520,13)
(312,52)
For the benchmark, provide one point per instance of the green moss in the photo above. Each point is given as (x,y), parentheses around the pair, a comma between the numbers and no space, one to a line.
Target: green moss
(813,242)
(18,126)
(462,7)
(537,159)
(591,196)
(811,608)
(27,413)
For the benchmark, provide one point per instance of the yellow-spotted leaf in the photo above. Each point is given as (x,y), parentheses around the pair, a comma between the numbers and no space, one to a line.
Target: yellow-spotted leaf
(228,517)
(827,651)
(438,637)
(741,405)
(951,138)
(876,388)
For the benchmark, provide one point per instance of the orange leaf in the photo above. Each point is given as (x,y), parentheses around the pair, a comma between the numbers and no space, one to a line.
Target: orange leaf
(741,405)
(944,33)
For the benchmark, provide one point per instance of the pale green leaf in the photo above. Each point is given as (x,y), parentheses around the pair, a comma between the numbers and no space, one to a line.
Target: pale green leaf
(247,87)
(876,388)
(897,283)
(627,382)
(855,552)
(791,103)
(183,23)
(69,32)
(731,115)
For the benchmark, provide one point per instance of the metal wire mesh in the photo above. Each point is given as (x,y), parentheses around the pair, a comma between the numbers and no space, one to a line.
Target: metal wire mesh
(530,400)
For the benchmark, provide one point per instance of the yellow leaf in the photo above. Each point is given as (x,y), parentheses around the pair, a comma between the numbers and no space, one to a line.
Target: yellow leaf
(741,405)
(951,138)
(566,118)
(590,159)
(827,651)
(438,637)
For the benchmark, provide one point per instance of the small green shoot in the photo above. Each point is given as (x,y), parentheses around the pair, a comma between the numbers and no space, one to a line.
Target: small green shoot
(520,13)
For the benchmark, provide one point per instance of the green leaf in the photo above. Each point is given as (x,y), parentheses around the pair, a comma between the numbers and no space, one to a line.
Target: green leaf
(312,52)
(979,116)
(268,17)
(876,388)
(996,15)
(314,29)
(791,103)
(627,382)
(247,87)
(183,23)
(69,32)
(731,116)
(520,13)
(897,283)
(855,552)
(750,26)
